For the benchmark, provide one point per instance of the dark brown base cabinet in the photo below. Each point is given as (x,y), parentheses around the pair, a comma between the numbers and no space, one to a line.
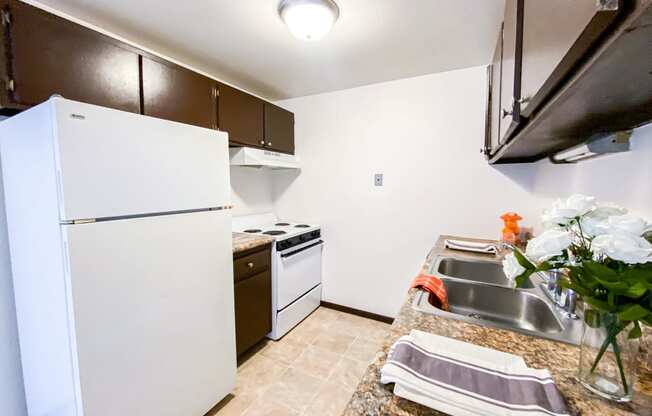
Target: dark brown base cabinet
(253,296)
(43,54)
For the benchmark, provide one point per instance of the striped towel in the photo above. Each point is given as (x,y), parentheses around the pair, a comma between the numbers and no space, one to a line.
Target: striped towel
(436,288)
(463,379)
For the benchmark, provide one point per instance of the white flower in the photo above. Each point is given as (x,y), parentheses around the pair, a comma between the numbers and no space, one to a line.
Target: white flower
(549,244)
(512,268)
(562,211)
(606,210)
(592,226)
(627,224)
(630,249)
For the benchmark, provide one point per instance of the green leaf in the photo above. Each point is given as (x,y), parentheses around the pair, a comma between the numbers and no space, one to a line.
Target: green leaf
(635,332)
(636,290)
(633,312)
(611,299)
(599,304)
(545,266)
(569,284)
(592,318)
(637,275)
(523,261)
(523,277)
(600,271)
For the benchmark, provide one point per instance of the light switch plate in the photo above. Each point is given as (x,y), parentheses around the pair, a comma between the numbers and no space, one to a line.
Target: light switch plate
(378,179)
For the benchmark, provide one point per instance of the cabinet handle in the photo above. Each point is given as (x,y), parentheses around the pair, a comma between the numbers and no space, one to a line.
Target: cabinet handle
(524,100)
(262,142)
(250,265)
(507,113)
(269,143)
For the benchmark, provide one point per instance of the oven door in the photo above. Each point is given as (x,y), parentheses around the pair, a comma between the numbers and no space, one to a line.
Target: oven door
(298,271)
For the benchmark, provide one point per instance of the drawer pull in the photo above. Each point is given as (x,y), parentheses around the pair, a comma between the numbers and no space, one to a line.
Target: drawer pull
(250,265)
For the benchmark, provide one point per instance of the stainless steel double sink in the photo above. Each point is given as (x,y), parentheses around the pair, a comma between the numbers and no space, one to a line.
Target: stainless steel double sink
(479,293)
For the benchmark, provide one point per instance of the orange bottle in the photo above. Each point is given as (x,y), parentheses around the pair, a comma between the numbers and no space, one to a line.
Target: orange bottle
(511,230)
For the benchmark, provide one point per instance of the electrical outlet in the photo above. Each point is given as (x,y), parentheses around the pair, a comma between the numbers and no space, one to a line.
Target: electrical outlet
(378,179)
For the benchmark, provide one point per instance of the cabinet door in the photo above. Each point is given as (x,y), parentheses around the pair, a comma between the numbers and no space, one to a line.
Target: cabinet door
(175,93)
(494,110)
(511,67)
(49,55)
(279,129)
(240,115)
(556,35)
(253,310)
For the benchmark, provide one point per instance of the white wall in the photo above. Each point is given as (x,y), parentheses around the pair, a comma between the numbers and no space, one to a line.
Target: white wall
(424,134)
(251,191)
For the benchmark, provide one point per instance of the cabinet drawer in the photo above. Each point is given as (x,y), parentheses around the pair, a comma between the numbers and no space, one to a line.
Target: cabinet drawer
(251,264)
(253,310)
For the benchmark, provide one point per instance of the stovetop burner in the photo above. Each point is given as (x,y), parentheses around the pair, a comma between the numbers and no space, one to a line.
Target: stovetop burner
(274,232)
(282,224)
(253,231)
(302,226)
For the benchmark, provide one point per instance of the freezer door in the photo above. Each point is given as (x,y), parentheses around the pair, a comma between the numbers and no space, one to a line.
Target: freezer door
(153,313)
(112,163)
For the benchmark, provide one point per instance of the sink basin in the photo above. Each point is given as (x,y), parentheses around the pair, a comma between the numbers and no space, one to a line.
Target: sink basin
(475,270)
(525,311)
(502,306)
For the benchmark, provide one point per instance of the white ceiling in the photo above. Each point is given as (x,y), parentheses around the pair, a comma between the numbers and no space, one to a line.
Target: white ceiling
(245,43)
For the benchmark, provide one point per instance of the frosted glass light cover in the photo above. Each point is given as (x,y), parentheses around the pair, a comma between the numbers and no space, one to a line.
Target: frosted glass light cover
(308,20)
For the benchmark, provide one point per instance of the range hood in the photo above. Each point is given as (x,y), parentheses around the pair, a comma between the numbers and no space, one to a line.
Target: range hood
(259,158)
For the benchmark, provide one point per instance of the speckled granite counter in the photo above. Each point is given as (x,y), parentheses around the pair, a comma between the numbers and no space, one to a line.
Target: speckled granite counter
(372,398)
(242,241)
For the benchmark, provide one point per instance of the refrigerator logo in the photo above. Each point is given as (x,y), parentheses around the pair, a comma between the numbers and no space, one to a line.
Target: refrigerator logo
(77,116)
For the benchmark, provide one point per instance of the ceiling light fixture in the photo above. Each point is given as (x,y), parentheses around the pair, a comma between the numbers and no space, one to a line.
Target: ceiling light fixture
(309,19)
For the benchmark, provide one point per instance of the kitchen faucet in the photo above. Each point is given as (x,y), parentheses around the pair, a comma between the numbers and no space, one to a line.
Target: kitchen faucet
(565,299)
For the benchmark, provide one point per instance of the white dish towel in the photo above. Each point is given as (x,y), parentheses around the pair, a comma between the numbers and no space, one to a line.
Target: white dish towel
(487,248)
(463,379)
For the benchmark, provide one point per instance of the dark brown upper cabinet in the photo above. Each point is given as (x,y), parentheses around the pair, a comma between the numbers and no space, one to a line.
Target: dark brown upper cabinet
(584,70)
(279,129)
(556,35)
(178,94)
(44,55)
(241,115)
(510,85)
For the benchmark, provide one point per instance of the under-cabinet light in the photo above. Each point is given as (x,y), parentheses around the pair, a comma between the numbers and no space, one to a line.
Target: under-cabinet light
(597,145)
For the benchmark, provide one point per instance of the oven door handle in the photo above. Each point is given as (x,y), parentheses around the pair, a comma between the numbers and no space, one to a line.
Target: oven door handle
(292,253)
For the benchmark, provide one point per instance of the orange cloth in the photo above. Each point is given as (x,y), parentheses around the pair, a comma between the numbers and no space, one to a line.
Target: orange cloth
(436,287)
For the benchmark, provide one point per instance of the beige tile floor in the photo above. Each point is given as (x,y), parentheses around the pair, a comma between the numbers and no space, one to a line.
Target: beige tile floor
(313,370)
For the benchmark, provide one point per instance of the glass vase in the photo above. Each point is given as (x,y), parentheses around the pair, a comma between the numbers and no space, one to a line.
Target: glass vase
(608,358)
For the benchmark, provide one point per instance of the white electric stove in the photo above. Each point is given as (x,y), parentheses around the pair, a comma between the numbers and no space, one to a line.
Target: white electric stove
(296,267)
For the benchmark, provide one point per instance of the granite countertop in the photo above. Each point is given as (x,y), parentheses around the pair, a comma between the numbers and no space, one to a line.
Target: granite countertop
(243,241)
(372,398)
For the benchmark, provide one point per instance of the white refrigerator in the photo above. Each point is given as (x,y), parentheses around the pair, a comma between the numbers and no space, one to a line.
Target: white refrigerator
(120,239)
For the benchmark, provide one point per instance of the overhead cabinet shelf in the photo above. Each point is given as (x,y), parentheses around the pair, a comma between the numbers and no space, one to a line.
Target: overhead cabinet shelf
(43,54)
(584,68)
